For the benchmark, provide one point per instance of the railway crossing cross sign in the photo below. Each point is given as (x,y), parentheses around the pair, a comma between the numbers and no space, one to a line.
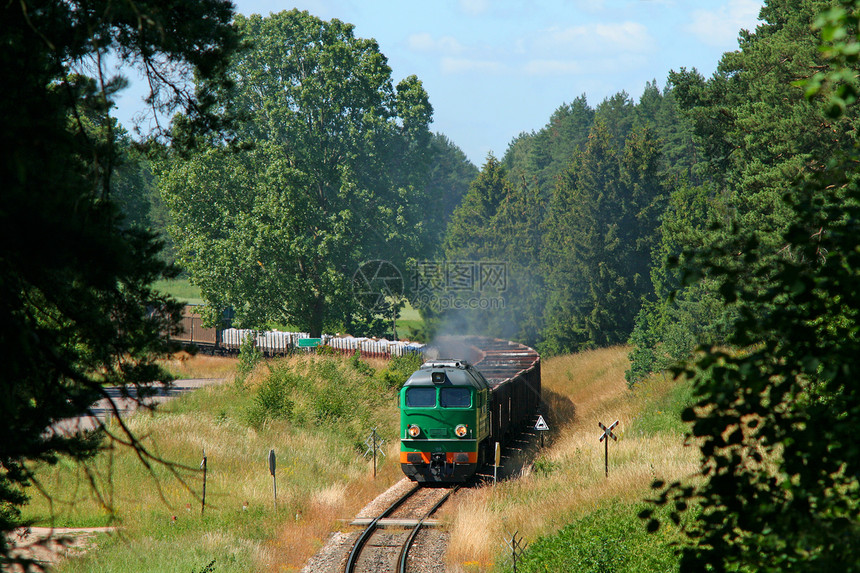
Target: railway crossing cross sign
(374,446)
(607,433)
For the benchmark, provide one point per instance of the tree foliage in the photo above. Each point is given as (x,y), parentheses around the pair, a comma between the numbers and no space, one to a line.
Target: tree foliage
(571,212)
(775,414)
(497,228)
(774,418)
(448,180)
(538,158)
(334,179)
(599,228)
(75,278)
(756,136)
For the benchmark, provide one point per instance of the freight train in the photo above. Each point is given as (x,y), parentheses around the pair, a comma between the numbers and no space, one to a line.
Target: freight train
(454,409)
(471,393)
(213,340)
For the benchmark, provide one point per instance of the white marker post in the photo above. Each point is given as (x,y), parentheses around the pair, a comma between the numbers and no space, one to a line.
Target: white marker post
(498,459)
(203,467)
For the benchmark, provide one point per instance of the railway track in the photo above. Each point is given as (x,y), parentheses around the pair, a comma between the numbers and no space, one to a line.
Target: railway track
(395,527)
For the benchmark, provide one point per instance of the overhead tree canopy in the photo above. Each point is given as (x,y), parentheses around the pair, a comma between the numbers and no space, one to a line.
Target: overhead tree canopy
(335,177)
(74,278)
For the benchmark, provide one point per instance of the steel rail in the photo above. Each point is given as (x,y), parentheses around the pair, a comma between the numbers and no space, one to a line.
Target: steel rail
(404,549)
(365,535)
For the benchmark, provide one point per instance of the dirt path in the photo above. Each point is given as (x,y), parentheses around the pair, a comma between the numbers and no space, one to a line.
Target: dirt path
(127,405)
(46,545)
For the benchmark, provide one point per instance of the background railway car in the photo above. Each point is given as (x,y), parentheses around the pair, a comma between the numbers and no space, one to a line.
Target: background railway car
(277,343)
(195,334)
(453,411)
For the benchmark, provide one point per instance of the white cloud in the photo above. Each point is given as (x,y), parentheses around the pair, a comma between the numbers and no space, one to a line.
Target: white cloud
(556,51)
(552,67)
(425,42)
(465,65)
(598,38)
(720,27)
(474,7)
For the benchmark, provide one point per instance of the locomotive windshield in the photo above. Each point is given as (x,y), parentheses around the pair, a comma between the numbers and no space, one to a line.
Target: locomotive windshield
(421,397)
(455,397)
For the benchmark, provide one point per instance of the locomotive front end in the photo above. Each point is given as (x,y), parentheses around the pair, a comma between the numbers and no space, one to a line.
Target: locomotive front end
(444,422)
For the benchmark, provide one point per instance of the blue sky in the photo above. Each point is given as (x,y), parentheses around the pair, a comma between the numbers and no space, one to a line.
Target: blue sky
(496,68)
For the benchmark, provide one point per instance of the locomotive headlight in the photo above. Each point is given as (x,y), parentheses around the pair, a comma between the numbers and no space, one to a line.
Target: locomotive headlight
(414,430)
(460,430)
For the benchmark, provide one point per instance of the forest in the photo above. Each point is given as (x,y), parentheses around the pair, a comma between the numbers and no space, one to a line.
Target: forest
(711,224)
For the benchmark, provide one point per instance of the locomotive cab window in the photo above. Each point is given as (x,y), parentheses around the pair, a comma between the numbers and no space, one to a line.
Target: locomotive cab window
(455,397)
(421,397)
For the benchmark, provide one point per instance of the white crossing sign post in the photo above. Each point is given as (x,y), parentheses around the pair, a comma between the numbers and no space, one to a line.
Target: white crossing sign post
(374,446)
(541,427)
(517,547)
(203,467)
(607,433)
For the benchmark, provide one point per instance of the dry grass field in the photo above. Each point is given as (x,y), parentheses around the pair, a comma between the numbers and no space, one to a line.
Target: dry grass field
(322,479)
(568,480)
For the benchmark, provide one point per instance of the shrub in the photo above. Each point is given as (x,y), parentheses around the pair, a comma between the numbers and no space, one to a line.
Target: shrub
(612,539)
(399,369)
(249,357)
(272,400)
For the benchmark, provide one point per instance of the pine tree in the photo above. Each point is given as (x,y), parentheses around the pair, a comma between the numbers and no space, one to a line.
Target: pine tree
(599,235)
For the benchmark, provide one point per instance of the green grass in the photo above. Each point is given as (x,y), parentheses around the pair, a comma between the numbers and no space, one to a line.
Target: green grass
(408,313)
(406,329)
(314,411)
(573,516)
(187,545)
(664,411)
(611,539)
(180,289)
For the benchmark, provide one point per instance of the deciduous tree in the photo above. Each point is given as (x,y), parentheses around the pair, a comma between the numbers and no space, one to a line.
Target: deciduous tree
(335,179)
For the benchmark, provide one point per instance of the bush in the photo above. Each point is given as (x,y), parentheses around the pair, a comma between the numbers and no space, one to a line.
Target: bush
(249,357)
(272,400)
(330,392)
(399,369)
(612,539)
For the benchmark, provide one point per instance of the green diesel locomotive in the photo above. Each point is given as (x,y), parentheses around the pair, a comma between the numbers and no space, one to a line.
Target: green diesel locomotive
(453,412)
